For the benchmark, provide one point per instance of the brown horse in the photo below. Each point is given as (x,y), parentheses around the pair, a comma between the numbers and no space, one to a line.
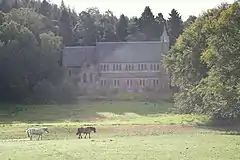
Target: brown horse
(85,131)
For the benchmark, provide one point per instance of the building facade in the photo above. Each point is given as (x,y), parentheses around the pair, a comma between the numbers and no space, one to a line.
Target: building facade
(125,66)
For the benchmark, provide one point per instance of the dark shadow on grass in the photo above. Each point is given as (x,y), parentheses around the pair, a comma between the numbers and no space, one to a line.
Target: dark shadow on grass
(83,111)
(222,126)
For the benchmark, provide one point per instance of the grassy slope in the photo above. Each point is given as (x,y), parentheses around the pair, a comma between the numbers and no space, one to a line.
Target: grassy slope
(174,147)
(116,137)
(101,113)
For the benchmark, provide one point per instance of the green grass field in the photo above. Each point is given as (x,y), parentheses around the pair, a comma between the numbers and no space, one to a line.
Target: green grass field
(125,130)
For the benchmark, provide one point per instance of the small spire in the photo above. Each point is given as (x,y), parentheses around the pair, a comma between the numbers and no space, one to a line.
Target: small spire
(164,37)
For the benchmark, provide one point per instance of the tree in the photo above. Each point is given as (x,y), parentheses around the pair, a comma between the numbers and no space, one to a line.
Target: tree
(175,26)
(17,60)
(159,25)
(191,19)
(5,5)
(205,64)
(31,20)
(147,23)
(45,9)
(122,28)
(65,26)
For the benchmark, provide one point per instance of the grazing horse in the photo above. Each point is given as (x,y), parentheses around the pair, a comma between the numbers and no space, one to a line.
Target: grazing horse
(85,131)
(36,131)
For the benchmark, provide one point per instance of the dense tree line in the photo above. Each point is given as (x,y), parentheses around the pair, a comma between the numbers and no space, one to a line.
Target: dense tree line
(33,34)
(205,64)
(91,26)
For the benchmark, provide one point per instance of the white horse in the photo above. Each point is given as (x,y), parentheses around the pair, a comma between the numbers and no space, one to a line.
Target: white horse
(36,131)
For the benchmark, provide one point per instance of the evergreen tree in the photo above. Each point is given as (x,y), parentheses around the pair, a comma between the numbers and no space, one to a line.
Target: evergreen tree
(160,22)
(147,23)
(175,26)
(45,9)
(65,26)
(191,19)
(122,28)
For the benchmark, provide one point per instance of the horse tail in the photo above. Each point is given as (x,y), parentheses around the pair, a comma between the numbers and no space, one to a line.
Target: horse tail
(28,134)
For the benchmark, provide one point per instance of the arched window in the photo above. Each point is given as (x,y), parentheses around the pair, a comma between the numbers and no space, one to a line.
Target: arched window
(158,67)
(133,67)
(84,78)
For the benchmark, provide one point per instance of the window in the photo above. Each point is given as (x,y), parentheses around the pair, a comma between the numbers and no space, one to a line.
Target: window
(133,67)
(120,67)
(130,82)
(70,72)
(91,78)
(154,83)
(157,82)
(143,82)
(103,83)
(151,66)
(104,67)
(129,67)
(101,67)
(145,66)
(154,67)
(140,82)
(107,67)
(126,67)
(116,82)
(114,67)
(158,67)
(139,67)
(84,78)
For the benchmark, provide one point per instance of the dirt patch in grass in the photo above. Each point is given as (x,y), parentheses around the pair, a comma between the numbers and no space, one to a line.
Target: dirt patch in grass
(143,130)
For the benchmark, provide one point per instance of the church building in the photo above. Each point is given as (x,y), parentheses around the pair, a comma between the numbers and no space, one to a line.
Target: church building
(125,66)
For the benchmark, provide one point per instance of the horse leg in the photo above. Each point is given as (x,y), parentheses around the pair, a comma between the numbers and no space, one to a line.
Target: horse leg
(80,135)
(38,137)
(31,138)
(41,137)
(85,135)
(89,135)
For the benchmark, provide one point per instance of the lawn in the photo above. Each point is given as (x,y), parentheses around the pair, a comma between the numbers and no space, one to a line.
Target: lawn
(125,130)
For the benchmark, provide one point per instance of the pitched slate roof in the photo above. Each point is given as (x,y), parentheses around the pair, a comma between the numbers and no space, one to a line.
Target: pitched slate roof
(130,52)
(76,56)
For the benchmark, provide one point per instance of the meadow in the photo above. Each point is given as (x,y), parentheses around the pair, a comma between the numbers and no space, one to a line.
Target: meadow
(125,130)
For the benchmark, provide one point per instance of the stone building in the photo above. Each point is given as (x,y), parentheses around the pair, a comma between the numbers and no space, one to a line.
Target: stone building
(126,66)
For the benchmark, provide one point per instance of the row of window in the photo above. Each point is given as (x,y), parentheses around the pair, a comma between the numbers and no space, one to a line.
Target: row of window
(129,67)
(130,83)
(85,78)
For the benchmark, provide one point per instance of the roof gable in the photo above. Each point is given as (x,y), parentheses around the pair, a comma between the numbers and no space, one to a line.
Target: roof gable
(76,56)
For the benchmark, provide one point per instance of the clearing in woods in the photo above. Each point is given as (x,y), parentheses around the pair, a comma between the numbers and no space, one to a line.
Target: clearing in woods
(125,130)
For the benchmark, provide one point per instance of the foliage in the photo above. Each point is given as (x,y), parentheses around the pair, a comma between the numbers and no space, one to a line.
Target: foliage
(33,34)
(205,64)
(30,60)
